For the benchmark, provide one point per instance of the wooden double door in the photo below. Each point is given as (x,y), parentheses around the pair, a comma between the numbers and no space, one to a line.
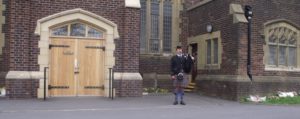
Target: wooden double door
(76,67)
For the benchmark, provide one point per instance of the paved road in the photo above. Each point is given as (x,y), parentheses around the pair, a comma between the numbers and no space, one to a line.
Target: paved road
(148,107)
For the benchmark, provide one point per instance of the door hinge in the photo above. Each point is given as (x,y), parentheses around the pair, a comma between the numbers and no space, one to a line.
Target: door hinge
(94,87)
(96,47)
(58,87)
(61,46)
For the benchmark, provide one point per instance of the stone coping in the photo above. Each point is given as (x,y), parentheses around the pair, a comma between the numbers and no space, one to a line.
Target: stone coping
(25,75)
(133,3)
(239,78)
(127,76)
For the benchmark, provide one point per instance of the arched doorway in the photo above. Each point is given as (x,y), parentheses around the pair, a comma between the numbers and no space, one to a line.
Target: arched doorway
(78,47)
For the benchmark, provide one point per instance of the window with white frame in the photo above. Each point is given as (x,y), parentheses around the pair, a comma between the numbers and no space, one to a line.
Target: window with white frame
(156,26)
(282,45)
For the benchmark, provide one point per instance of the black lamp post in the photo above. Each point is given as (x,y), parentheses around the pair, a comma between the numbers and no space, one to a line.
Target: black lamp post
(249,15)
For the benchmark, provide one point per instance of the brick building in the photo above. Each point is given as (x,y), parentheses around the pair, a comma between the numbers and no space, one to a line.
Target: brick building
(221,66)
(80,40)
(222,54)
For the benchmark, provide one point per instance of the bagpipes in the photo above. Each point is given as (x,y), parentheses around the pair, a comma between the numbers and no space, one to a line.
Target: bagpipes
(188,63)
(180,77)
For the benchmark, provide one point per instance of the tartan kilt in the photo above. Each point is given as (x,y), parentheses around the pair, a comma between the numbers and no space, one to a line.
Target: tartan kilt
(183,83)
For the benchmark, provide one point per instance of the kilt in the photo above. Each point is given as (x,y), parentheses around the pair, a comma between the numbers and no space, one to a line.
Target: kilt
(183,83)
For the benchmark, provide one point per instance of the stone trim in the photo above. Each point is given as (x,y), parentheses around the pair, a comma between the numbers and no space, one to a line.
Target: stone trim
(24,75)
(290,69)
(238,13)
(74,12)
(133,3)
(200,40)
(199,4)
(282,21)
(2,22)
(127,76)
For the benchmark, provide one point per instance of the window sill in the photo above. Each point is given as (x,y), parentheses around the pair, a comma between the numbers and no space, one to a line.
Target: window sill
(212,66)
(157,54)
(292,69)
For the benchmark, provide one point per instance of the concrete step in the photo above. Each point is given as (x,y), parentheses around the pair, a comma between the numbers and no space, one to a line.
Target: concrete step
(188,90)
(190,87)
(192,84)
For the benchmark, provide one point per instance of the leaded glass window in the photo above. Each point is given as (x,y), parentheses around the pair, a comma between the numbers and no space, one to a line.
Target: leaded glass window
(282,46)
(167,26)
(93,33)
(143,34)
(77,30)
(272,55)
(154,40)
(156,26)
(212,51)
(60,31)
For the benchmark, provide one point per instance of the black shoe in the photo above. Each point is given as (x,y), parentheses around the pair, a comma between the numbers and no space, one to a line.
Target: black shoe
(182,103)
(175,103)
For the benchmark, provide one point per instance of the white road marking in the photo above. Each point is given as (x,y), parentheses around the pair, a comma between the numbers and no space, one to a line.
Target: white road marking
(93,109)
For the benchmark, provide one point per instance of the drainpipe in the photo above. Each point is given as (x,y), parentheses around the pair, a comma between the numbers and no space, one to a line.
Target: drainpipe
(249,15)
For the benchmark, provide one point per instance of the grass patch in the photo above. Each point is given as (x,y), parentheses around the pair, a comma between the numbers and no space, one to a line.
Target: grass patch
(155,90)
(286,100)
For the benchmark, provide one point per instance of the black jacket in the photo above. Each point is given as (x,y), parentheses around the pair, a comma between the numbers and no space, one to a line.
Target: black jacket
(179,64)
(176,64)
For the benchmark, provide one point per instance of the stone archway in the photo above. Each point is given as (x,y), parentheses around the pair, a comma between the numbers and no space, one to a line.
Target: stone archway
(42,29)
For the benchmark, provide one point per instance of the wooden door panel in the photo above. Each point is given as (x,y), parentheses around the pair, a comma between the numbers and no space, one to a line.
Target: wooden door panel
(62,67)
(91,67)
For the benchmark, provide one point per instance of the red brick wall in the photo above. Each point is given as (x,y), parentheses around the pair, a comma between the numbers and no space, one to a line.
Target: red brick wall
(155,64)
(217,14)
(4,57)
(129,45)
(23,43)
(265,11)
(19,88)
(234,43)
(128,88)
(234,36)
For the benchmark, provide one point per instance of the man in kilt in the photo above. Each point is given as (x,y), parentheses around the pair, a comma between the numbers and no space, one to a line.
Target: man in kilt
(180,66)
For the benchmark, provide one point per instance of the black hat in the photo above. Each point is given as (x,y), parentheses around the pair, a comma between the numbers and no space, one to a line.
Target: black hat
(178,47)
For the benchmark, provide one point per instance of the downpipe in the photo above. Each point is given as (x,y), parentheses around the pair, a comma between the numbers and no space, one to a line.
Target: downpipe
(249,15)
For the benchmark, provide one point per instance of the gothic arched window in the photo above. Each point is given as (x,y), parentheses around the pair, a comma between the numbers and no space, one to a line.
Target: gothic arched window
(282,41)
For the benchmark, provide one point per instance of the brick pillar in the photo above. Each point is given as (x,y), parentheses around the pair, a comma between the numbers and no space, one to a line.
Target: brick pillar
(128,81)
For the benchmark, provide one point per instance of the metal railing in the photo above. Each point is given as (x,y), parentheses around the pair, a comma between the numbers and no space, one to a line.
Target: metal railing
(45,81)
(111,83)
